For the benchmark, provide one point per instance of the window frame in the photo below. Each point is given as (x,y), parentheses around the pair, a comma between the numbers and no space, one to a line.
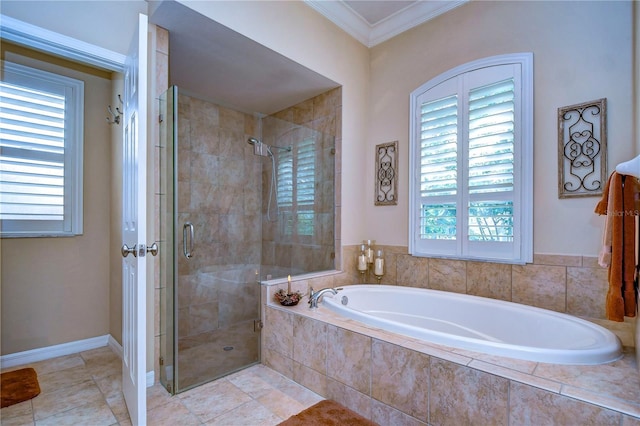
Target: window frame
(72,224)
(522,249)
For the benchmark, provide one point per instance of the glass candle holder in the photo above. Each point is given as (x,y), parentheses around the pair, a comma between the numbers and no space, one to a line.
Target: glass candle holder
(378,265)
(369,249)
(362,260)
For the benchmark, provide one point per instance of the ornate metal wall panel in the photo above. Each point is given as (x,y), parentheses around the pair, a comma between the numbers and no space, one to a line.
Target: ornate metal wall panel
(386,174)
(582,149)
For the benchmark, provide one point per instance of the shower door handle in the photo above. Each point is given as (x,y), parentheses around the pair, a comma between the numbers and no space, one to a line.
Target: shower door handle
(187,249)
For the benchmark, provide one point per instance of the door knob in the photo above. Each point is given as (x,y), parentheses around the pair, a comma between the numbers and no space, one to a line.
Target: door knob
(126,250)
(153,249)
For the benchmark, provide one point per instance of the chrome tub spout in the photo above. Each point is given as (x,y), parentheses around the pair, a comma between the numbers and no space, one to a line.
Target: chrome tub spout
(314,296)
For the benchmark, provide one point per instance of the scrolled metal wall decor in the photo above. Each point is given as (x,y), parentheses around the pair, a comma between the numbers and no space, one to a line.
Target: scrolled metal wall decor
(386,174)
(582,149)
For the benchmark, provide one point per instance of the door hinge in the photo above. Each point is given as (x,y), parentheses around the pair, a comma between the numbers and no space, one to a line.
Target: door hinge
(257,325)
(161,360)
(160,118)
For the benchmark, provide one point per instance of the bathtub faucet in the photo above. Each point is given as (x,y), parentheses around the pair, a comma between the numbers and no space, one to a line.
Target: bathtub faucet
(314,296)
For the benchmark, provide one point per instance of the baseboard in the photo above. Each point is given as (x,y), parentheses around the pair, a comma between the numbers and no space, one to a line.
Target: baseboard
(41,354)
(151,378)
(117,348)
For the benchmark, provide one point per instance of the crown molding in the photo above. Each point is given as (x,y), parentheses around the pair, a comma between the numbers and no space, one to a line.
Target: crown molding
(409,17)
(344,17)
(370,35)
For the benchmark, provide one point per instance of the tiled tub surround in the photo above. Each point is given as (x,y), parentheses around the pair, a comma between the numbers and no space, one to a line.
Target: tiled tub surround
(394,379)
(575,285)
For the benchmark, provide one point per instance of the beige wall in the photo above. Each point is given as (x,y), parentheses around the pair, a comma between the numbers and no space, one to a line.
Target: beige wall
(105,23)
(296,31)
(582,51)
(56,290)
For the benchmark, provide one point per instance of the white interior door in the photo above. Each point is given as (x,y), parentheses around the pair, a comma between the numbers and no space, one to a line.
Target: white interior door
(134,210)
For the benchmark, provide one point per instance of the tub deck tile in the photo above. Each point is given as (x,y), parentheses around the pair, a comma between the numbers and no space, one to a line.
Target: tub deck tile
(612,386)
(603,400)
(538,382)
(436,351)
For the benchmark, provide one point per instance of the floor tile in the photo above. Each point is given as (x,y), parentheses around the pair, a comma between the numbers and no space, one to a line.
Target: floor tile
(250,413)
(86,389)
(214,399)
(95,414)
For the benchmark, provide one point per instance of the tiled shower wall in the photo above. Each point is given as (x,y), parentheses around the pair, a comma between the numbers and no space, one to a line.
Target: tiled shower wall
(318,118)
(219,193)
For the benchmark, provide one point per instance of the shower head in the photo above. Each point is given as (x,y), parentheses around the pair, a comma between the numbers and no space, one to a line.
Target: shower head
(253,141)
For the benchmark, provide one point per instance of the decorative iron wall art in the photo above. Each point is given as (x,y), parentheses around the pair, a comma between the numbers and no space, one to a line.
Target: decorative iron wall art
(386,174)
(582,149)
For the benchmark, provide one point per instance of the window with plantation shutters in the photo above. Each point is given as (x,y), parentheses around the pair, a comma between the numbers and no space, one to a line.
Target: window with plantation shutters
(296,188)
(40,153)
(471,162)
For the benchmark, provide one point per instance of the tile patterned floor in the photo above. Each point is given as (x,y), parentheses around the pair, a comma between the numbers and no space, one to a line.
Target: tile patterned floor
(86,389)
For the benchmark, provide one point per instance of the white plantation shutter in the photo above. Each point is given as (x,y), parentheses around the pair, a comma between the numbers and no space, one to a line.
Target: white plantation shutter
(306,186)
(296,187)
(40,153)
(491,162)
(470,191)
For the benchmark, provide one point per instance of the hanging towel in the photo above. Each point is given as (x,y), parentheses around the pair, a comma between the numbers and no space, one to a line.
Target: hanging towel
(604,257)
(619,203)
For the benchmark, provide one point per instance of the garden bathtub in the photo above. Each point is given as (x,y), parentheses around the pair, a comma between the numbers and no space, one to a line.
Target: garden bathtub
(479,324)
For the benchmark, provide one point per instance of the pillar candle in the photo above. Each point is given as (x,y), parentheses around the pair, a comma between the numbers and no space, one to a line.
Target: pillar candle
(362,262)
(379,267)
(289,284)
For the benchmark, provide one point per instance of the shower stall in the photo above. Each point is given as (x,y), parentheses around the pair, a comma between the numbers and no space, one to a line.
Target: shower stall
(243,199)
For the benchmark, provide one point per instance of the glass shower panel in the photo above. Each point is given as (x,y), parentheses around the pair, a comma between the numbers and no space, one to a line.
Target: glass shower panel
(298,204)
(216,242)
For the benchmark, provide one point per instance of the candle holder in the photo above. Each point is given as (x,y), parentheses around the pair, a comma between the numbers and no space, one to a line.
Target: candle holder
(378,267)
(368,251)
(287,299)
(363,265)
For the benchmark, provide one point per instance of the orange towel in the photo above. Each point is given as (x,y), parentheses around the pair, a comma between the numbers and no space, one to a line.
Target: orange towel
(619,203)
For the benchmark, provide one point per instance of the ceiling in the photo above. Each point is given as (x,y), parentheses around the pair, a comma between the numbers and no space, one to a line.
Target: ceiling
(212,62)
(215,63)
(372,22)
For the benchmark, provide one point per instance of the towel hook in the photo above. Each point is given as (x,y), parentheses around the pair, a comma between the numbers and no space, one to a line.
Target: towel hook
(115,116)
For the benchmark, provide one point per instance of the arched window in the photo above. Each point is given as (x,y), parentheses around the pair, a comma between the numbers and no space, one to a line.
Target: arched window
(471,162)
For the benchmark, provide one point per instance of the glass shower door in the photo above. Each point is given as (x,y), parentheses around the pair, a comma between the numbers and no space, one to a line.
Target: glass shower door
(212,222)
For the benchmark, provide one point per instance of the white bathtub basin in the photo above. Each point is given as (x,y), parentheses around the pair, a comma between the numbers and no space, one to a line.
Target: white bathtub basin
(477,323)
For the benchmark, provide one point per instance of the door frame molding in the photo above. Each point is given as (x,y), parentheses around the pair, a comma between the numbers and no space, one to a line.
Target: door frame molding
(48,41)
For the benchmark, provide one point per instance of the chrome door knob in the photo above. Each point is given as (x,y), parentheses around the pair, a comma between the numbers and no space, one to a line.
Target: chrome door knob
(126,250)
(153,249)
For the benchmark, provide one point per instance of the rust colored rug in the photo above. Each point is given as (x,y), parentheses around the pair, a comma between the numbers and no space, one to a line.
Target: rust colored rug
(18,386)
(327,413)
